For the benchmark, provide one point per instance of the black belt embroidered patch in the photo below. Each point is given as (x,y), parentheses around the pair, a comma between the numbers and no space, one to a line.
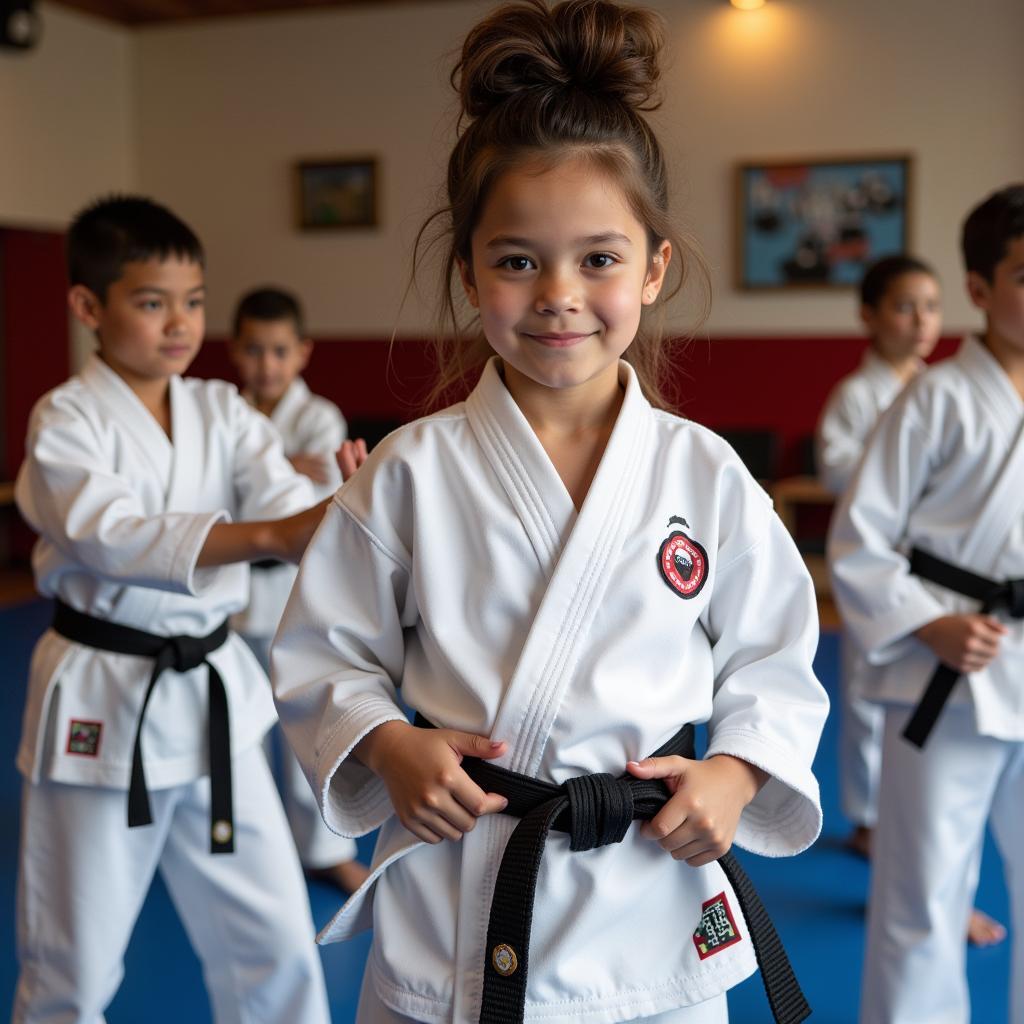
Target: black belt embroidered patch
(717,928)
(84,738)
(682,562)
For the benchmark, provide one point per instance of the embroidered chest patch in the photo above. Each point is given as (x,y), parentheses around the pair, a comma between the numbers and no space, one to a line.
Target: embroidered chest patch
(682,562)
(717,928)
(84,738)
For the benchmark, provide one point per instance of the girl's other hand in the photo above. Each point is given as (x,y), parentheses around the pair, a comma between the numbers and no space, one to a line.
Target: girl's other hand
(422,769)
(698,822)
(351,455)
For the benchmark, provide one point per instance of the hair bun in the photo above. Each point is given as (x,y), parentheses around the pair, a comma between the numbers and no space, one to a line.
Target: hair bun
(590,45)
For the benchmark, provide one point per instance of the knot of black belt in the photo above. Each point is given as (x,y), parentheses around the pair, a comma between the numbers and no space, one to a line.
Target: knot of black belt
(595,810)
(182,654)
(994,595)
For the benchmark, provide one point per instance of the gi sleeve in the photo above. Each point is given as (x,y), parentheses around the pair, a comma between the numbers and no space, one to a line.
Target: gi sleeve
(882,604)
(321,431)
(69,492)
(768,707)
(337,661)
(839,439)
(266,485)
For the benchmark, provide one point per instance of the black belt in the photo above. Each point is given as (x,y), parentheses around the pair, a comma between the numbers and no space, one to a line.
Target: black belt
(265,564)
(595,810)
(180,653)
(992,594)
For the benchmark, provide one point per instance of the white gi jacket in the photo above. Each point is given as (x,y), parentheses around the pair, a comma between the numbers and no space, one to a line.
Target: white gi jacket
(848,417)
(454,565)
(122,515)
(943,471)
(312,425)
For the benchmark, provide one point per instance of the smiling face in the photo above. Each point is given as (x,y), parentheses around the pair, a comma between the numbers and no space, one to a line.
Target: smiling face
(907,321)
(560,271)
(150,324)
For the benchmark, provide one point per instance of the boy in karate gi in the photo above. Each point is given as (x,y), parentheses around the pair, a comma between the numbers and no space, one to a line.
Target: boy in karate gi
(900,306)
(927,552)
(141,703)
(270,350)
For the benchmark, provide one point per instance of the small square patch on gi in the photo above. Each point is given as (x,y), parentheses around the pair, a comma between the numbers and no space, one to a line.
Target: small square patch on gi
(717,929)
(84,738)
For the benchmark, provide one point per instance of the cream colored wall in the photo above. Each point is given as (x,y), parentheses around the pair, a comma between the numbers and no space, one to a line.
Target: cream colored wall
(226,107)
(66,119)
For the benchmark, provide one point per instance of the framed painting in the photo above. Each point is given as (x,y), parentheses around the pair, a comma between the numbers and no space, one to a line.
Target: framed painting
(819,223)
(337,194)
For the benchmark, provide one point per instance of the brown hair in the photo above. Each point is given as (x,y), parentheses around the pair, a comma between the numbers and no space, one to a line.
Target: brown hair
(545,85)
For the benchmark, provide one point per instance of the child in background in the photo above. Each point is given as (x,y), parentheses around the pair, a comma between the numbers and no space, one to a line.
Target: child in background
(270,350)
(139,692)
(927,555)
(900,306)
(559,577)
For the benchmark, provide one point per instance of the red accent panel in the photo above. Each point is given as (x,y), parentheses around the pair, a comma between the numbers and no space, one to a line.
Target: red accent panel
(36,354)
(777,384)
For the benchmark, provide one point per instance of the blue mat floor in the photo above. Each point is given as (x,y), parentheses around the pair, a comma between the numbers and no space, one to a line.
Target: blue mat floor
(817,900)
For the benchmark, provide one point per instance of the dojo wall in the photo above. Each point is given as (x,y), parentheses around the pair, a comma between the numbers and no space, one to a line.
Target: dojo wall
(67,119)
(224,107)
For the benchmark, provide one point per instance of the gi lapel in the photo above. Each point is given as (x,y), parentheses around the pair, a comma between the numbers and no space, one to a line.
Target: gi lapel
(122,403)
(549,657)
(1005,500)
(190,449)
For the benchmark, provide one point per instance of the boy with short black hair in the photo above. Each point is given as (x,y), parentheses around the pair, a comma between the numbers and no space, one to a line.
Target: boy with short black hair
(927,553)
(139,692)
(270,350)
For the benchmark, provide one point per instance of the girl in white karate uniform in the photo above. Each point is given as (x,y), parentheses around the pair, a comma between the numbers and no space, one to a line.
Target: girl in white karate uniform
(557,575)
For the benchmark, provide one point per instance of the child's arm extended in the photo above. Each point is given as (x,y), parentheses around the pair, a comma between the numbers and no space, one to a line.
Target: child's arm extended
(285,539)
(431,794)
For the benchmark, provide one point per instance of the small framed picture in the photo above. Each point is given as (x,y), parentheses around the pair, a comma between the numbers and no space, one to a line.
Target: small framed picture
(819,222)
(337,194)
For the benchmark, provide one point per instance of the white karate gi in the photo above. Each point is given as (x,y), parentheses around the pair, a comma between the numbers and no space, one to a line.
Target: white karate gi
(848,417)
(308,425)
(471,582)
(943,471)
(122,515)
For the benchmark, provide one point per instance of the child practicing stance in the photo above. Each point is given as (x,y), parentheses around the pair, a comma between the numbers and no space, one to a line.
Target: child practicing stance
(270,350)
(559,577)
(141,744)
(927,552)
(900,305)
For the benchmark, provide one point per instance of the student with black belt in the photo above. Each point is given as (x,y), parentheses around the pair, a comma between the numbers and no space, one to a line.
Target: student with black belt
(559,576)
(927,555)
(141,743)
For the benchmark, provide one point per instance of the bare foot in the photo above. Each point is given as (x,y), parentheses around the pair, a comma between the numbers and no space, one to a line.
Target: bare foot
(983,931)
(346,876)
(859,841)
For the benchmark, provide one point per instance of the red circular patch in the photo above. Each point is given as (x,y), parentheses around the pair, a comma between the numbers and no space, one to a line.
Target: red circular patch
(683,564)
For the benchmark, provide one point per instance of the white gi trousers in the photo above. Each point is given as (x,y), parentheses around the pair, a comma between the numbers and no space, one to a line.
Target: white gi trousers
(932,812)
(84,875)
(713,1011)
(318,846)
(860,738)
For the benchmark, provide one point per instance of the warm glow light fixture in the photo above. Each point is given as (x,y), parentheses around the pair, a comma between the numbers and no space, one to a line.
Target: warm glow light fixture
(747,5)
